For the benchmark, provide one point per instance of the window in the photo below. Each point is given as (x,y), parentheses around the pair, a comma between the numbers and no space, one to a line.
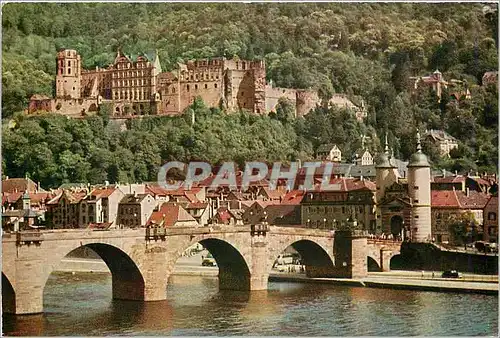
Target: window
(206,86)
(492,216)
(416,216)
(215,85)
(415,188)
(69,70)
(187,87)
(416,201)
(196,87)
(173,90)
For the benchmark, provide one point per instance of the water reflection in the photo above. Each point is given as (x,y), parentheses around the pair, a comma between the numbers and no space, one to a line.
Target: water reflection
(32,325)
(82,305)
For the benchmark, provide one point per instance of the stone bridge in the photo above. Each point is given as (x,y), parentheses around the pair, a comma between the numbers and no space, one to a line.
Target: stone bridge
(381,251)
(141,261)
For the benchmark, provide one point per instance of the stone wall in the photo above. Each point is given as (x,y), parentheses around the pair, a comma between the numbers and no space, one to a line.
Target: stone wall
(274,94)
(76,108)
(306,100)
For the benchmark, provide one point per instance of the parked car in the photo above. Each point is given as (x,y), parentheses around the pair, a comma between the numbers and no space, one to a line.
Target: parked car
(451,274)
(209,260)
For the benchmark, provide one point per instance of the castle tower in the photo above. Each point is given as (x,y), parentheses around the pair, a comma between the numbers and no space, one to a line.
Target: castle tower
(419,190)
(386,175)
(68,78)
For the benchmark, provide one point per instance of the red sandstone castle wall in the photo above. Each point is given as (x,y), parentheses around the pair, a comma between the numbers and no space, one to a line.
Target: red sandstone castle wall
(306,100)
(274,94)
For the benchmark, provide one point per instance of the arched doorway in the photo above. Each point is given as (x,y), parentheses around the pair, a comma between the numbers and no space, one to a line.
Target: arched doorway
(396,225)
(8,296)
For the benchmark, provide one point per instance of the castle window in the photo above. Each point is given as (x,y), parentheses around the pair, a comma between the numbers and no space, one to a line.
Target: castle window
(173,89)
(69,63)
(206,86)
(187,87)
(69,70)
(415,188)
(492,216)
(196,86)
(215,85)
(243,65)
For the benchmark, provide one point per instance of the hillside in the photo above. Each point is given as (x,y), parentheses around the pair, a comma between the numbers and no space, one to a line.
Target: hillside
(367,49)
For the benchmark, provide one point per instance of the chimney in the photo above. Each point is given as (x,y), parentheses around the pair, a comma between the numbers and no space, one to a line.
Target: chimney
(361,178)
(455,173)
(444,173)
(239,204)
(106,183)
(467,192)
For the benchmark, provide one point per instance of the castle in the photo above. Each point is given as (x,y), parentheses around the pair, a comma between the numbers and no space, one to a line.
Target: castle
(138,86)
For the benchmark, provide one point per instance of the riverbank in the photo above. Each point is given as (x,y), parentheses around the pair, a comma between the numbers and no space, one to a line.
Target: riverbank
(409,280)
(445,285)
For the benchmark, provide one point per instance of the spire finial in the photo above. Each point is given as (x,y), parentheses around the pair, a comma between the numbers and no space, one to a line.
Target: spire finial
(419,146)
(386,145)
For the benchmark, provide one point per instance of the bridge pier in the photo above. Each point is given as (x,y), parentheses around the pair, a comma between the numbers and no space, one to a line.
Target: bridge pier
(350,254)
(385,259)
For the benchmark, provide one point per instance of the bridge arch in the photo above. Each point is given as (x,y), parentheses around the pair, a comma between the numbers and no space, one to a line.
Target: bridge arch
(8,295)
(127,279)
(315,256)
(373,264)
(234,266)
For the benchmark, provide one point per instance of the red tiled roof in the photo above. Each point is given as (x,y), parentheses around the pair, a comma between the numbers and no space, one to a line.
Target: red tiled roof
(169,214)
(458,199)
(475,200)
(273,194)
(12,197)
(102,192)
(293,197)
(444,199)
(224,215)
(18,185)
(493,200)
(196,205)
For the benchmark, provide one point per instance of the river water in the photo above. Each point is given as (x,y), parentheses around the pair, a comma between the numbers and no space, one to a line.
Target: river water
(81,304)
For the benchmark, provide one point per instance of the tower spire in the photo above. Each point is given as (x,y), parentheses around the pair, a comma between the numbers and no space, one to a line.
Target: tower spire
(386,145)
(419,146)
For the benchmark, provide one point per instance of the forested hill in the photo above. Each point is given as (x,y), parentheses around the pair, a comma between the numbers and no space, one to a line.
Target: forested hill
(365,49)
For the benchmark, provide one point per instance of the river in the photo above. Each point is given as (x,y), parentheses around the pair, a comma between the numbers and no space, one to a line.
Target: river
(81,304)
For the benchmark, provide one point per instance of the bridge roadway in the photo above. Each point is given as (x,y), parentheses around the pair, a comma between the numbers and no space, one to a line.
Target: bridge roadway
(141,261)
